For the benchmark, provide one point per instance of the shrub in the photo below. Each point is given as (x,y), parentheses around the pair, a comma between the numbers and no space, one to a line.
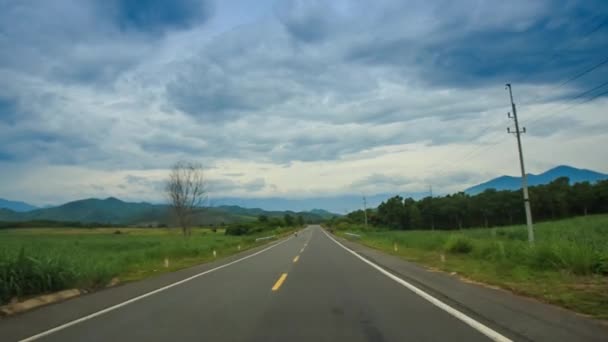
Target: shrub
(237,230)
(459,245)
(578,258)
(601,265)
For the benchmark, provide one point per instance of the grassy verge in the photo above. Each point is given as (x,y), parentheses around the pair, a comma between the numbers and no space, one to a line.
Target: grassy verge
(35,261)
(568,266)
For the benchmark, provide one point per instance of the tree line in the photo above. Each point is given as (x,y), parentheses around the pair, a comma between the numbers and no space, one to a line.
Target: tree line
(264,223)
(556,200)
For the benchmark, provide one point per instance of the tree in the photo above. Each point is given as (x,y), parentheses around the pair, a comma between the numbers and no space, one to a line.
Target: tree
(582,197)
(392,213)
(300,220)
(186,189)
(263,219)
(288,220)
(415,217)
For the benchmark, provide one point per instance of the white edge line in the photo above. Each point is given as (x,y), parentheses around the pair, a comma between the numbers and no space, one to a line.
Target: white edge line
(492,334)
(132,300)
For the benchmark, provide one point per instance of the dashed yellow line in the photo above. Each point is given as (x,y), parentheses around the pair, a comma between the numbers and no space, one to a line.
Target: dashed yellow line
(279,282)
(296,258)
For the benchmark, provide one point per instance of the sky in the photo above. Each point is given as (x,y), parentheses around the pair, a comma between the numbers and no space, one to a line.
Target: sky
(294,99)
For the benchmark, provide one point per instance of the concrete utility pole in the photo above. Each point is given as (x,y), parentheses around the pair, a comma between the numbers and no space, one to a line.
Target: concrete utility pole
(524,177)
(365,210)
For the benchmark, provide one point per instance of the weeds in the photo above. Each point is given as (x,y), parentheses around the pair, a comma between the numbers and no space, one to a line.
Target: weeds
(34,262)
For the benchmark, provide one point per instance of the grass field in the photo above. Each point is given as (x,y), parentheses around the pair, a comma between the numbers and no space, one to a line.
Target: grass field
(567,266)
(34,261)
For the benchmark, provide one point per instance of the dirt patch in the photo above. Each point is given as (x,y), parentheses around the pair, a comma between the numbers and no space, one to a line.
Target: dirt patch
(17,307)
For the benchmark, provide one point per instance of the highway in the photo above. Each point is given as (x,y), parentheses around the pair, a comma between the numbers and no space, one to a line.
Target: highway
(305,288)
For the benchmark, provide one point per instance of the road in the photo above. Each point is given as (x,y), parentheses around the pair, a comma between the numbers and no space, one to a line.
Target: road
(305,288)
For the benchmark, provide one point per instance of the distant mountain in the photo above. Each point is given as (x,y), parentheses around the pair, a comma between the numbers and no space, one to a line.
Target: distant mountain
(323,213)
(331,204)
(16,205)
(513,183)
(113,210)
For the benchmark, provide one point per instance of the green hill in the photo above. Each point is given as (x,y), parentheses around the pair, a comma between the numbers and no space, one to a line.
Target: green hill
(114,211)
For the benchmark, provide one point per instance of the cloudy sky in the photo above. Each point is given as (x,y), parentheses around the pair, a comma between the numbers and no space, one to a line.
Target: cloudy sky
(294,98)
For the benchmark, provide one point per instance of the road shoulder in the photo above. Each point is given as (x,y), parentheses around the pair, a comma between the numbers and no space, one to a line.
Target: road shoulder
(524,317)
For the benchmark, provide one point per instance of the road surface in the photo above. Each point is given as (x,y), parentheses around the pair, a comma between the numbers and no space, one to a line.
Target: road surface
(305,288)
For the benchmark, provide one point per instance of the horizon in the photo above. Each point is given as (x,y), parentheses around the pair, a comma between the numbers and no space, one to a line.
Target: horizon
(254,202)
(294,99)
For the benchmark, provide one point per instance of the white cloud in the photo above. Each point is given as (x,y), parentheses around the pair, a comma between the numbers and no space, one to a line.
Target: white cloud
(296,100)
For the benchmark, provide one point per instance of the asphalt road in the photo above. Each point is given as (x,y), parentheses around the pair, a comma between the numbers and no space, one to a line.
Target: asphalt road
(306,288)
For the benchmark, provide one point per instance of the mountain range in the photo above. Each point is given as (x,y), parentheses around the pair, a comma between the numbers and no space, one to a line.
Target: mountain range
(115,211)
(231,209)
(16,205)
(336,204)
(514,183)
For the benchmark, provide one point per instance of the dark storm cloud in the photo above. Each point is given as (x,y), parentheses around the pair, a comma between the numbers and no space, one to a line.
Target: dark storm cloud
(318,81)
(92,41)
(544,44)
(157,15)
(8,110)
(307,21)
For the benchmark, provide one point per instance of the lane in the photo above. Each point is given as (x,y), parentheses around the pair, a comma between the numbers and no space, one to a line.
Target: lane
(307,288)
(332,296)
(222,305)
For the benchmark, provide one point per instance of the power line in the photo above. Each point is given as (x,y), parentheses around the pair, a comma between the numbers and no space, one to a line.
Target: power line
(583,73)
(572,42)
(478,149)
(572,78)
(552,112)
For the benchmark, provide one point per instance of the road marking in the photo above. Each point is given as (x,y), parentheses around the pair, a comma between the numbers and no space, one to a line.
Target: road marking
(296,258)
(302,250)
(279,282)
(132,300)
(492,334)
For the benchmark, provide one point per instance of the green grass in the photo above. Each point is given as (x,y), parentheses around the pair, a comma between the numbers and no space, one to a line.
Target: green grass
(39,260)
(567,266)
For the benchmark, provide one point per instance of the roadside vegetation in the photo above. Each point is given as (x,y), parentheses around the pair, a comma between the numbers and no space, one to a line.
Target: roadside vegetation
(40,260)
(567,266)
(264,224)
(491,208)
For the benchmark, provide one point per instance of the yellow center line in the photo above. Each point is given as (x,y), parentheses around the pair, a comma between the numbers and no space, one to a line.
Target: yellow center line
(296,258)
(279,282)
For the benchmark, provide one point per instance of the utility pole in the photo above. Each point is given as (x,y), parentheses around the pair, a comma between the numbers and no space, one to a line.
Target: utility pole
(365,210)
(524,177)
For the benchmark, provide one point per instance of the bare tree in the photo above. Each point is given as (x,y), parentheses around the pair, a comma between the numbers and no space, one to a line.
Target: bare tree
(187,192)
